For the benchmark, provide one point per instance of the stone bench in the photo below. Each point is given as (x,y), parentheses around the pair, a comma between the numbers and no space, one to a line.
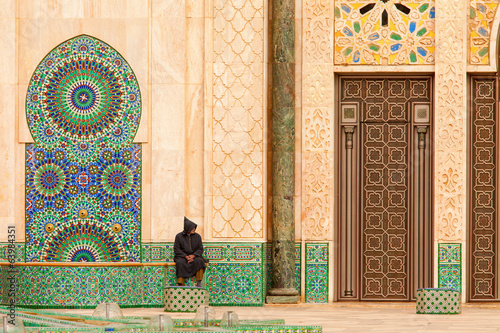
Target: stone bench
(438,301)
(184,298)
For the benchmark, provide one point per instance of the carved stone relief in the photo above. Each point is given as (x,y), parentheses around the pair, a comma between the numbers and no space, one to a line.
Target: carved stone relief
(317,120)
(450,117)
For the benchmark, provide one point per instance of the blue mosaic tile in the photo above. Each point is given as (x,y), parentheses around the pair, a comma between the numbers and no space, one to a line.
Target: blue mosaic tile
(83,173)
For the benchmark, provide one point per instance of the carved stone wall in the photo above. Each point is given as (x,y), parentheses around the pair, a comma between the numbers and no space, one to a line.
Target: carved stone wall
(450,120)
(317,120)
(480,23)
(236,123)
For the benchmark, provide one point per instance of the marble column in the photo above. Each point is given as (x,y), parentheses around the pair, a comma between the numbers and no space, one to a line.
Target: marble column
(283,143)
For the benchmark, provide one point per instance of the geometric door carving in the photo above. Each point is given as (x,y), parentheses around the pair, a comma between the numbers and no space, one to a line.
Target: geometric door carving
(483,182)
(385,192)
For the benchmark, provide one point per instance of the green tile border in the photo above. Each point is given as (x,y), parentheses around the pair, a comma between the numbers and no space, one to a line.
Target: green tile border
(450,266)
(316,272)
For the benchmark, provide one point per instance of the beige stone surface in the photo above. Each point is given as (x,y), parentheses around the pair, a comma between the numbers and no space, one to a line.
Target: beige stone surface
(7,158)
(7,50)
(8,9)
(234,93)
(168,48)
(8,142)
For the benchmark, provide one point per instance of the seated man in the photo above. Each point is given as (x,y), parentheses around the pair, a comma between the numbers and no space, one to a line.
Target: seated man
(188,250)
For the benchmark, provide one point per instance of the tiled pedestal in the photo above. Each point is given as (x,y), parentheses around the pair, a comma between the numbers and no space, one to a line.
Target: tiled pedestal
(438,301)
(185,299)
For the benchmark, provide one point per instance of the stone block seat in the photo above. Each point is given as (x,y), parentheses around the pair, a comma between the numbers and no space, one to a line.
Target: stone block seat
(187,298)
(438,301)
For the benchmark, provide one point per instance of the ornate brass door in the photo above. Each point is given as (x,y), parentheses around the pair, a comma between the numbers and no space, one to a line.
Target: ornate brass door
(385,192)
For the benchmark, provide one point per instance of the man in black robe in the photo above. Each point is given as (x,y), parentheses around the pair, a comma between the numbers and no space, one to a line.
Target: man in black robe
(188,250)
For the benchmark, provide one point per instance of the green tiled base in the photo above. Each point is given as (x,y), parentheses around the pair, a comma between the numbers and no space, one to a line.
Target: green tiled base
(235,277)
(185,299)
(438,301)
(85,287)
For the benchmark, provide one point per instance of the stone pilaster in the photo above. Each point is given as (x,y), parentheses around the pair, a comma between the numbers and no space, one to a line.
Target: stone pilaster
(450,123)
(283,145)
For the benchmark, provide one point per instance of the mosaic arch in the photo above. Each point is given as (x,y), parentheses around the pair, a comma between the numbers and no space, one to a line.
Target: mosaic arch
(384,32)
(83,173)
(483,29)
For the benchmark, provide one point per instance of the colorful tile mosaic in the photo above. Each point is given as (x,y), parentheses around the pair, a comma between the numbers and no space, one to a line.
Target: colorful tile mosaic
(235,274)
(449,266)
(83,95)
(268,262)
(481,16)
(298,258)
(3,284)
(85,287)
(316,273)
(157,252)
(384,32)
(237,284)
(83,213)
(19,252)
(83,174)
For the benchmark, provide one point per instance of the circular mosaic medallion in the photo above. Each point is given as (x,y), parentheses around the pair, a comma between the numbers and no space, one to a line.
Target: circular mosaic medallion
(47,220)
(83,240)
(49,178)
(83,91)
(80,203)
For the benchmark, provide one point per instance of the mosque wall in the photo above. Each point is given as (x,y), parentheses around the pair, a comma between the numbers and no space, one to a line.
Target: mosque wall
(201,68)
(8,137)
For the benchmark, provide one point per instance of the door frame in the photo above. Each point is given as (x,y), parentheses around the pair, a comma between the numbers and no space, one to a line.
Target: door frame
(340,215)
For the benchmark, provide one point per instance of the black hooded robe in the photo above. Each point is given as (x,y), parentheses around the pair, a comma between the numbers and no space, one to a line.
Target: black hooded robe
(184,245)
